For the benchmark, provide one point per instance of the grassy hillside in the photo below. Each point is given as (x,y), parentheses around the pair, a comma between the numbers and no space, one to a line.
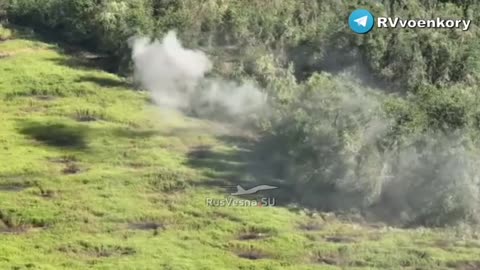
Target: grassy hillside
(93,176)
(387,120)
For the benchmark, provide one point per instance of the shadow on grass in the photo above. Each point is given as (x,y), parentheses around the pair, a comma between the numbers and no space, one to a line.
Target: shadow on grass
(136,134)
(216,165)
(104,82)
(77,61)
(268,162)
(255,162)
(248,166)
(55,134)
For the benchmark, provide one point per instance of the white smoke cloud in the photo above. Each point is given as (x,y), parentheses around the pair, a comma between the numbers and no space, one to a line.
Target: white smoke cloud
(176,77)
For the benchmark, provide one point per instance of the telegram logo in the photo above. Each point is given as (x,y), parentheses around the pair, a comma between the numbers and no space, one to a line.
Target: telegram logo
(361,21)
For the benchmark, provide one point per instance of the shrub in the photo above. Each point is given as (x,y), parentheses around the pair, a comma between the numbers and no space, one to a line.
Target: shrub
(5,33)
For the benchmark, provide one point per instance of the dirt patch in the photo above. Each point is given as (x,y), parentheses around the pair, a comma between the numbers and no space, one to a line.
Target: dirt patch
(64,159)
(96,250)
(445,244)
(340,239)
(71,168)
(256,233)
(138,165)
(86,115)
(145,226)
(7,228)
(311,226)
(223,215)
(4,55)
(375,236)
(328,260)
(48,193)
(10,224)
(16,183)
(252,254)
(70,164)
(13,187)
(340,257)
(45,97)
(4,229)
(200,152)
(375,226)
(252,236)
(155,227)
(313,237)
(44,192)
(464,265)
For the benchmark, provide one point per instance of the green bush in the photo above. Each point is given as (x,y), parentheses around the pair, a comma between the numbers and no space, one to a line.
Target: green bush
(5,33)
(103,26)
(312,36)
(344,147)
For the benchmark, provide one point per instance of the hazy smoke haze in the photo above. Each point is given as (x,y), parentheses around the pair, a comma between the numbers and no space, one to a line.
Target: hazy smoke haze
(334,150)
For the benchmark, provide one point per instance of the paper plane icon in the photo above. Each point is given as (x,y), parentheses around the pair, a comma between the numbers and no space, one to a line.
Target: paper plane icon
(362,21)
(242,191)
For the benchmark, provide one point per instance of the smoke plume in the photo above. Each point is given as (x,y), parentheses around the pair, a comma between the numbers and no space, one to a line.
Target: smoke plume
(177,78)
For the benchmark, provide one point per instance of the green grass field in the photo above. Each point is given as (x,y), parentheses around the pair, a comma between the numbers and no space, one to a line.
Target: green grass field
(93,176)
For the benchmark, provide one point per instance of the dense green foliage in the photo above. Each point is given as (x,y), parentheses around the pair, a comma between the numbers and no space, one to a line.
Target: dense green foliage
(311,34)
(403,136)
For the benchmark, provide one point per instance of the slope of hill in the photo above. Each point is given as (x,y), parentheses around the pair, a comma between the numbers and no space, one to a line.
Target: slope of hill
(94,176)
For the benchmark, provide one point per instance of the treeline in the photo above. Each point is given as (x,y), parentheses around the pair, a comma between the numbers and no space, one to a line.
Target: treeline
(311,34)
(410,148)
